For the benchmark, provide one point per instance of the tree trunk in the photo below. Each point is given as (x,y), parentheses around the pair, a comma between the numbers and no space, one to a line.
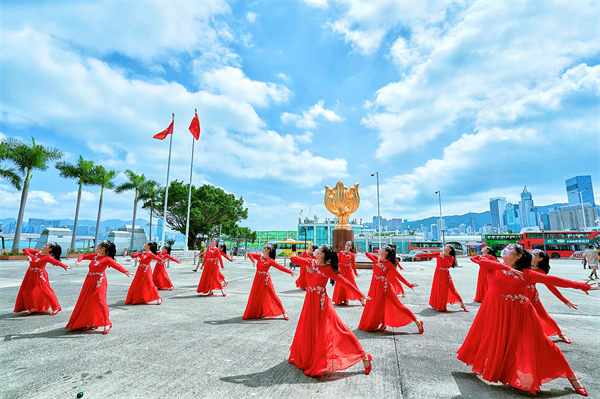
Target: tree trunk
(17,239)
(98,219)
(76,215)
(151,209)
(133,223)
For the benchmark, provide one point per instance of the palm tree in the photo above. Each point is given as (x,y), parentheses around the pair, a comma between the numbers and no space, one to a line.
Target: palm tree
(28,157)
(149,193)
(6,172)
(135,183)
(82,172)
(102,178)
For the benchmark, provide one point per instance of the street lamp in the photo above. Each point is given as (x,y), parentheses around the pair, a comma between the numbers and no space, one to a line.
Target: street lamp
(378,213)
(441,219)
(581,201)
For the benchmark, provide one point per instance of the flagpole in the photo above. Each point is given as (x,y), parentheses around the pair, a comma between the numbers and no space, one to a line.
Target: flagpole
(164,226)
(187,223)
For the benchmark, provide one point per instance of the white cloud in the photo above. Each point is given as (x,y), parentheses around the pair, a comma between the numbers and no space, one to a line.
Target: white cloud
(283,77)
(86,196)
(232,83)
(317,3)
(307,119)
(305,138)
(251,17)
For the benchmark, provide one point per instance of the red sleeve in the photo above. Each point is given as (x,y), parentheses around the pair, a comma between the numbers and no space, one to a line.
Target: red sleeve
(86,256)
(372,257)
(354,264)
(136,255)
(30,252)
(167,256)
(401,278)
(557,294)
(339,279)
(300,261)
(113,263)
(57,263)
(430,255)
(271,262)
(223,254)
(476,259)
(493,265)
(254,257)
(536,277)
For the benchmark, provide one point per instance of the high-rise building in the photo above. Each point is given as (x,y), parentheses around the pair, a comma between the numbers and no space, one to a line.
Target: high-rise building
(498,211)
(583,185)
(528,212)
(571,217)
(435,235)
(513,221)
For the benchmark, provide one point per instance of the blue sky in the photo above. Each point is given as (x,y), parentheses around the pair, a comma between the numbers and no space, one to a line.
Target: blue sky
(476,99)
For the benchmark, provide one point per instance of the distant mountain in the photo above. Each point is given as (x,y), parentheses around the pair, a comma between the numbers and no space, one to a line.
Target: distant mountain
(452,221)
(112,223)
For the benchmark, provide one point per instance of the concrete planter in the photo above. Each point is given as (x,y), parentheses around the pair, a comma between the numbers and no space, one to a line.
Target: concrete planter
(13,257)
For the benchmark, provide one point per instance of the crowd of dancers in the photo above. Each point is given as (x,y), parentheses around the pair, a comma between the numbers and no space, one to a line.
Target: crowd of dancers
(508,340)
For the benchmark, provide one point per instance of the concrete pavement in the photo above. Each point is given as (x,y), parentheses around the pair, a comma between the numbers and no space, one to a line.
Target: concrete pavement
(199,347)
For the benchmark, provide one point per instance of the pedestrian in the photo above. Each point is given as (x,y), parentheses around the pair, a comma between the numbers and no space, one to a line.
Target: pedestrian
(347,266)
(482,284)
(307,254)
(200,256)
(322,343)
(159,276)
(506,342)
(590,256)
(211,278)
(142,289)
(263,301)
(385,309)
(91,309)
(443,291)
(35,294)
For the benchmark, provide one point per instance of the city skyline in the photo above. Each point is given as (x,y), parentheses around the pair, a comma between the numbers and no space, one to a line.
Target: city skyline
(291,96)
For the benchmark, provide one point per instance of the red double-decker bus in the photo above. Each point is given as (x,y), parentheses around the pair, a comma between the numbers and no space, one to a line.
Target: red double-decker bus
(560,244)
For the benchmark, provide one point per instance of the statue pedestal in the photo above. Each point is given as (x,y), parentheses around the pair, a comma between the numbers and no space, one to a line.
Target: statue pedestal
(340,237)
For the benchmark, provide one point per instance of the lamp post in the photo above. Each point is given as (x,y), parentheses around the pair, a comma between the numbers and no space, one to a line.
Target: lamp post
(378,212)
(441,219)
(581,201)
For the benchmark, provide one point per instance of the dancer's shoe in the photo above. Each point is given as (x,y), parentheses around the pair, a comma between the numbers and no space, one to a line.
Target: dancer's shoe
(285,316)
(368,369)
(581,390)
(27,313)
(106,330)
(564,338)
(421,329)
(462,305)
(54,312)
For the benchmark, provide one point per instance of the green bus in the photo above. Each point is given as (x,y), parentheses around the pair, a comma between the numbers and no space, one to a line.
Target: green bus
(498,241)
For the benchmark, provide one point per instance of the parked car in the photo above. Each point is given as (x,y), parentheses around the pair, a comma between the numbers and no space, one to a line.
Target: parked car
(238,251)
(412,256)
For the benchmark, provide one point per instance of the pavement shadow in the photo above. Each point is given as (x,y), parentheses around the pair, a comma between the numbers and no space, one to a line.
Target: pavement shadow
(432,312)
(234,320)
(470,383)
(284,373)
(56,333)
(296,291)
(19,316)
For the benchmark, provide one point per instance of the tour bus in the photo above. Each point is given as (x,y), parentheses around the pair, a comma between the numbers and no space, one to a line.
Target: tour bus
(285,247)
(498,241)
(434,246)
(560,244)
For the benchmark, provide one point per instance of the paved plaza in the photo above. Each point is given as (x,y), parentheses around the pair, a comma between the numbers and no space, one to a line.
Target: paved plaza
(199,347)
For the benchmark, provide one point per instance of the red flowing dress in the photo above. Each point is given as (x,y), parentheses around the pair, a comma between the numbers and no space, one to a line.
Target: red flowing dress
(384,308)
(212,278)
(142,289)
(347,268)
(322,343)
(301,281)
(35,292)
(506,342)
(159,276)
(443,291)
(482,283)
(91,309)
(263,301)
(548,324)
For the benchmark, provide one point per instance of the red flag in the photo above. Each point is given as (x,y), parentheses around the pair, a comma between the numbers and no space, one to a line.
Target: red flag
(195,127)
(162,135)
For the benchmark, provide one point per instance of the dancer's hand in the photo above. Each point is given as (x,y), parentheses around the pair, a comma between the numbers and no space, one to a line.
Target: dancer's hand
(413,286)
(592,288)
(129,274)
(68,267)
(78,263)
(571,305)
(293,274)
(515,272)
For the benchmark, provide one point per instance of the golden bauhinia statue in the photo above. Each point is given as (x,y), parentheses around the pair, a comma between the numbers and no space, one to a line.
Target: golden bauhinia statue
(342,202)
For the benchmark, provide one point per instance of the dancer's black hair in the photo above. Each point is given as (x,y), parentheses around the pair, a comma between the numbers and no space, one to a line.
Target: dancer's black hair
(168,248)
(272,251)
(331,256)
(524,262)
(111,249)
(453,254)
(391,254)
(544,263)
(55,250)
(153,246)
(313,246)
(491,251)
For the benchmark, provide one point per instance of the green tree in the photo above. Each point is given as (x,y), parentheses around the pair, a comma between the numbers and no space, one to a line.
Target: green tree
(7,172)
(81,171)
(135,183)
(103,178)
(211,207)
(149,193)
(28,157)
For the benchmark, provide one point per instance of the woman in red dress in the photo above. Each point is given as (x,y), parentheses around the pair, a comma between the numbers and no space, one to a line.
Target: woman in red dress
(91,309)
(541,264)
(322,343)
(506,342)
(35,294)
(486,253)
(442,288)
(142,289)
(347,266)
(385,309)
(308,254)
(211,278)
(263,301)
(159,276)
